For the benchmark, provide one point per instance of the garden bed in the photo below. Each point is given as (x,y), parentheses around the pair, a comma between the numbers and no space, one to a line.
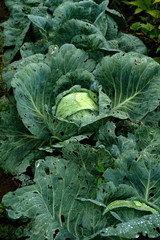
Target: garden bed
(79,124)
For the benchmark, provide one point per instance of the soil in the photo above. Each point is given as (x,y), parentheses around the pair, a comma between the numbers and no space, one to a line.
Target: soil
(7,183)
(3,12)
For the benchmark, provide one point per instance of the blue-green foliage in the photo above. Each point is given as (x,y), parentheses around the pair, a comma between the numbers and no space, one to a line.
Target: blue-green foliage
(33,26)
(95,177)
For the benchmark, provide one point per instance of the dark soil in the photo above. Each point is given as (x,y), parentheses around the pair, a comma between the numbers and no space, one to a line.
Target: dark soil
(7,183)
(3,12)
(7,227)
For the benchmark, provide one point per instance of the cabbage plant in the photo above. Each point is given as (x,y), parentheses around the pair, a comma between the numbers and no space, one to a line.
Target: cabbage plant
(65,94)
(81,126)
(91,25)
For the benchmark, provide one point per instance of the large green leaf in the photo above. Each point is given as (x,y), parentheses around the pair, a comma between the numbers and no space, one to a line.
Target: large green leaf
(147,226)
(84,10)
(68,59)
(15,30)
(132,82)
(88,157)
(116,145)
(129,204)
(153,119)
(18,148)
(30,48)
(142,175)
(51,204)
(128,43)
(42,23)
(117,16)
(108,193)
(32,92)
(10,69)
(148,140)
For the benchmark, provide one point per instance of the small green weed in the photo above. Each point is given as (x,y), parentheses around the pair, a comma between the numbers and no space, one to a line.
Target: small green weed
(145,21)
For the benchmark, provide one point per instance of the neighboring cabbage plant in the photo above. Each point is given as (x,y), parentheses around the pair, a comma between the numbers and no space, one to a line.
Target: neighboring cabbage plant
(34,25)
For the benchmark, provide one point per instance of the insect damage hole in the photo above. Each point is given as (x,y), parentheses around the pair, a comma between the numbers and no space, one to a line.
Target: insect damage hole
(55,233)
(62,218)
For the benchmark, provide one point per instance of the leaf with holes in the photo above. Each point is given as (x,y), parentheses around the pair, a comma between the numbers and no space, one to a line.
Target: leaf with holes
(142,173)
(18,147)
(51,204)
(132,82)
(147,226)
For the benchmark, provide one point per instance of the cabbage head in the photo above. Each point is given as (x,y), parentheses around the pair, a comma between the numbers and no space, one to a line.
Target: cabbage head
(79,106)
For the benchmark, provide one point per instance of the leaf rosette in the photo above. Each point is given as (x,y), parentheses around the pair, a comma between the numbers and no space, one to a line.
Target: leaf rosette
(123,86)
(63,96)
(43,101)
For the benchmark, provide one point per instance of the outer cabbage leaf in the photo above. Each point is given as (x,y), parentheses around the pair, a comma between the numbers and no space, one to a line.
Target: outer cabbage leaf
(147,226)
(133,204)
(92,159)
(153,119)
(108,193)
(83,10)
(30,92)
(148,140)
(116,145)
(128,43)
(51,204)
(18,148)
(117,16)
(132,82)
(30,48)
(69,59)
(10,69)
(15,30)
(142,175)
(107,25)
(21,3)
(42,23)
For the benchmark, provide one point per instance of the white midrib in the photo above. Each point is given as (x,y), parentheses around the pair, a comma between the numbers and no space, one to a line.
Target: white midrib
(125,102)
(35,109)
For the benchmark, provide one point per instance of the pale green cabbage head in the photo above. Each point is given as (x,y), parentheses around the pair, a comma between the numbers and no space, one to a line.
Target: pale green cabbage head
(79,106)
